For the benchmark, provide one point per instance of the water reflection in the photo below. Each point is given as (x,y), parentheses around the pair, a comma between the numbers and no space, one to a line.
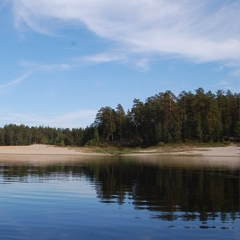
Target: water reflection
(169,191)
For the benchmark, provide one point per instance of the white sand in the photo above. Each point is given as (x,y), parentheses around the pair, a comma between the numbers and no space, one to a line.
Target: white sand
(227,157)
(38,154)
(229,151)
(45,154)
(39,149)
(36,149)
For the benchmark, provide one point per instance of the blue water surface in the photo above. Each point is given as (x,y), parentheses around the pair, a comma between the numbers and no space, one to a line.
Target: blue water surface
(116,201)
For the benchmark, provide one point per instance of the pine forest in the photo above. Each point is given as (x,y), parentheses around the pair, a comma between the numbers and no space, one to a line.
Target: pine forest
(162,118)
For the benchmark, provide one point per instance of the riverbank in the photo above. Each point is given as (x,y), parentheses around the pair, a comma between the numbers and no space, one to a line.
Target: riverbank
(39,154)
(181,154)
(225,151)
(39,149)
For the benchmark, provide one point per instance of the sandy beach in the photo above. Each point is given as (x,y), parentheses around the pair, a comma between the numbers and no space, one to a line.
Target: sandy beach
(227,157)
(43,154)
(52,154)
(229,151)
(39,149)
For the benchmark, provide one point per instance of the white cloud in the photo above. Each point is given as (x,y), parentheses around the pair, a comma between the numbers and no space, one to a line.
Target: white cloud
(198,30)
(143,64)
(224,83)
(76,62)
(44,66)
(5,88)
(33,68)
(79,118)
(232,85)
(236,73)
(102,58)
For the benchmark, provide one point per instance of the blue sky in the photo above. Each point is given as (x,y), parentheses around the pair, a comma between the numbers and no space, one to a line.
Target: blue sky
(62,60)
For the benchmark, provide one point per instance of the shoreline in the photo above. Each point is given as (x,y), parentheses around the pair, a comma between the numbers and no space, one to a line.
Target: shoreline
(49,151)
(40,149)
(43,155)
(226,151)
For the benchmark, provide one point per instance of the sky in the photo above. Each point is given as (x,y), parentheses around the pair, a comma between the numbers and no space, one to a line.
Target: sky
(62,60)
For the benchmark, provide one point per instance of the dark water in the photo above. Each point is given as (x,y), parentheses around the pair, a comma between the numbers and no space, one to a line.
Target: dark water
(119,198)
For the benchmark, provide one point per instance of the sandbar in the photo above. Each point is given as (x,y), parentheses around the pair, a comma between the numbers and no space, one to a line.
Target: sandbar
(39,153)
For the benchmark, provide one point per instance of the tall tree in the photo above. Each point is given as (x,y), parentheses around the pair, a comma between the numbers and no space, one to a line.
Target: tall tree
(120,117)
(186,115)
(199,104)
(138,118)
(106,123)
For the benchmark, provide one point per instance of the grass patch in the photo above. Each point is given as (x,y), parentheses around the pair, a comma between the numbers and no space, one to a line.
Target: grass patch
(159,148)
(112,150)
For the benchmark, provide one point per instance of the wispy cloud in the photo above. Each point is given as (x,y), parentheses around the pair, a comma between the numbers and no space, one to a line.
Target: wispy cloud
(5,88)
(35,66)
(79,118)
(201,31)
(102,58)
(143,64)
(236,73)
(32,67)
(229,85)
(72,119)
(77,62)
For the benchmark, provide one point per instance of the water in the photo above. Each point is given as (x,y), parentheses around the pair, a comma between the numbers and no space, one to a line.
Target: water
(120,198)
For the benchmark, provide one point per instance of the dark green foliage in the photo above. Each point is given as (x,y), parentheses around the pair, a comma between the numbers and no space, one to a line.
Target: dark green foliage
(237,130)
(203,117)
(90,136)
(162,118)
(22,135)
(106,122)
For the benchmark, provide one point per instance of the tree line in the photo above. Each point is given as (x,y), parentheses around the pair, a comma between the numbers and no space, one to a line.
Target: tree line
(23,135)
(163,118)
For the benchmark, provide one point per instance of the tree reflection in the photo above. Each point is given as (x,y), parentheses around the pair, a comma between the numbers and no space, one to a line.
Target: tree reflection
(168,192)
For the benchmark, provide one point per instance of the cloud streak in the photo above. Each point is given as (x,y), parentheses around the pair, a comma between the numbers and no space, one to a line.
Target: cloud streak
(46,67)
(5,88)
(76,119)
(102,58)
(201,31)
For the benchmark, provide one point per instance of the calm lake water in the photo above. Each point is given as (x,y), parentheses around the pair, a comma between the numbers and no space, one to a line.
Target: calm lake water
(120,198)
